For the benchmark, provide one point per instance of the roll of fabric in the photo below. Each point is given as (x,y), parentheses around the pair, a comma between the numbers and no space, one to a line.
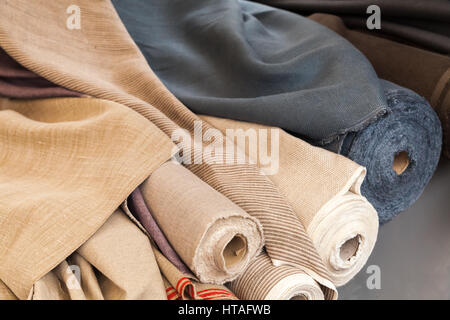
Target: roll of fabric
(116,263)
(67,164)
(214,237)
(421,22)
(139,209)
(19,82)
(180,285)
(424,72)
(400,151)
(263,281)
(262,65)
(96,67)
(324,191)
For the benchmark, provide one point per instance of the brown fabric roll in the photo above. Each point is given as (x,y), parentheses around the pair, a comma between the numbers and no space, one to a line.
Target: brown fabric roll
(213,236)
(19,82)
(424,72)
(116,263)
(67,164)
(424,23)
(104,62)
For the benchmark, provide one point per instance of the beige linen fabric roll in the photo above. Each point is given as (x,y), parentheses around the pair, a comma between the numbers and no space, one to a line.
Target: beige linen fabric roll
(101,60)
(213,236)
(66,165)
(264,281)
(324,190)
(116,263)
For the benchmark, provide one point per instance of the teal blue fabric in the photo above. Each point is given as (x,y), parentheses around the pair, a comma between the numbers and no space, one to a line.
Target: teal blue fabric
(250,62)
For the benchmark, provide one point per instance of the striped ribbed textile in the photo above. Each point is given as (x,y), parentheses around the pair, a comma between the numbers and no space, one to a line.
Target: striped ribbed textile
(102,60)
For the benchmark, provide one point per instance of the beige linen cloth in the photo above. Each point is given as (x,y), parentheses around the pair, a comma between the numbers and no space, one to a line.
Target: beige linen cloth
(213,236)
(116,263)
(66,164)
(324,190)
(101,60)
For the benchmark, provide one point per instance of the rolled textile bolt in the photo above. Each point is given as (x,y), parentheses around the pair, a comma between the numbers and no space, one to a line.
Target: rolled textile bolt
(400,150)
(213,236)
(324,190)
(264,281)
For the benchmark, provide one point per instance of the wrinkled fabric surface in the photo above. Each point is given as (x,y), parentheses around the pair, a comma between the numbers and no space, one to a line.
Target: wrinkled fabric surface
(425,23)
(246,61)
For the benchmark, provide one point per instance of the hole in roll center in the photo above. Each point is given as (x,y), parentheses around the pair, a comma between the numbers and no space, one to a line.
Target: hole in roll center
(234,251)
(349,248)
(401,162)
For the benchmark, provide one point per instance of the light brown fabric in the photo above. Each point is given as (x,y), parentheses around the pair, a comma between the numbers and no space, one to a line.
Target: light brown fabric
(66,165)
(104,62)
(213,236)
(324,191)
(263,281)
(116,263)
(5,292)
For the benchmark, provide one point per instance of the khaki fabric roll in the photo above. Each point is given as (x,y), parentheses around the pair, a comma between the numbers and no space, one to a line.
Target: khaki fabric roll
(180,285)
(104,62)
(67,164)
(264,281)
(116,263)
(324,191)
(213,236)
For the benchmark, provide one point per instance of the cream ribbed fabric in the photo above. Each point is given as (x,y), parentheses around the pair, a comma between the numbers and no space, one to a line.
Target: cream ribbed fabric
(66,165)
(214,236)
(324,190)
(124,264)
(101,60)
(263,281)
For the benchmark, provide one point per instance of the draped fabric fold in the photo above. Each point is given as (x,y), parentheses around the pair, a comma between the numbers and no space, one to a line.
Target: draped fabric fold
(104,62)
(116,263)
(67,164)
(247,61)
(324,191)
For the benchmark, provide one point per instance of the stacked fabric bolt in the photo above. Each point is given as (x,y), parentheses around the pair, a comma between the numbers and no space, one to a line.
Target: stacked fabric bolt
(109,193)
(261,70)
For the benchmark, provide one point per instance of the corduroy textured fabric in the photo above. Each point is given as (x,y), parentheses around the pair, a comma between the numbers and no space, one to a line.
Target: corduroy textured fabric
(18,82)
(424,23)
(139,209)
(424,72)
(400,151)
(116,263)
(103,61)
(246,61)
(263,281)
(67,164)
(324,191)
(214,236)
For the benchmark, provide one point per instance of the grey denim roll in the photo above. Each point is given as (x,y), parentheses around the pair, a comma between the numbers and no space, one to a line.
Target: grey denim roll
(409,135)
(250,62)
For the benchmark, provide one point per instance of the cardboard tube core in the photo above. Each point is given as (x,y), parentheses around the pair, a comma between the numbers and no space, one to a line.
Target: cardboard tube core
(234,251)
(349,248)
(401,162)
